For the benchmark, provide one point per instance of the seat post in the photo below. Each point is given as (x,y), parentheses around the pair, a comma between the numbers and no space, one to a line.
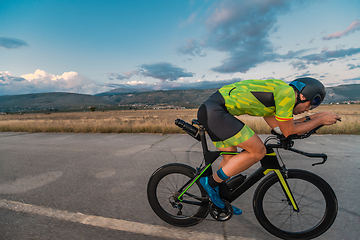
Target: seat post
(203,139)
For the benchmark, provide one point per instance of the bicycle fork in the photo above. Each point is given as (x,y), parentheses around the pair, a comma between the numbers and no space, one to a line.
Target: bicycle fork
(285,187)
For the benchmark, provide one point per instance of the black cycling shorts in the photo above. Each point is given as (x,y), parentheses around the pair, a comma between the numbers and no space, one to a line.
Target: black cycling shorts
(224,129)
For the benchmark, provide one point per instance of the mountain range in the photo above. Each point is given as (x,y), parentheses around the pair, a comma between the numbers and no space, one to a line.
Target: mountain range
(139,98)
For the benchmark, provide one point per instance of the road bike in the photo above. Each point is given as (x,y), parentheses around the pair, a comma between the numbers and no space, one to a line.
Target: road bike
(288,203)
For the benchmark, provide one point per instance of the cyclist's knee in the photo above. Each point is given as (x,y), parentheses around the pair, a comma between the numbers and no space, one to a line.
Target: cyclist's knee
(262,153)
(258,153)
(255,147)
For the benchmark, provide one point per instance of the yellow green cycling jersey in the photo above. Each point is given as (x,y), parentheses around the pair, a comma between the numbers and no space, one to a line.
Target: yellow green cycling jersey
(260,98)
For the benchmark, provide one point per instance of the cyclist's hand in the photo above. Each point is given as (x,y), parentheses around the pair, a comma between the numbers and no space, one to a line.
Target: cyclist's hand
(329,118)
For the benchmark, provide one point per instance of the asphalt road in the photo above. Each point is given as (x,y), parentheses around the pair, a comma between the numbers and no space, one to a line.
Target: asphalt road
(93,186)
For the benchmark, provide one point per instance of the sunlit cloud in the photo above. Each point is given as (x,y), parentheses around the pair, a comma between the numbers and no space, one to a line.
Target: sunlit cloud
(42,75)
(136,83)
(41,82)
(354,26)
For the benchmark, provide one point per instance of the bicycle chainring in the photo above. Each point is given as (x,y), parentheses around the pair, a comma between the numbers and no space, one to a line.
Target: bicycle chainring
(221,214)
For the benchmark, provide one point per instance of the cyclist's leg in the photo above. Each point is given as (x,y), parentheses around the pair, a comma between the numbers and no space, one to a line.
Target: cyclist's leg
(227,132)
(226,158)
(254,151)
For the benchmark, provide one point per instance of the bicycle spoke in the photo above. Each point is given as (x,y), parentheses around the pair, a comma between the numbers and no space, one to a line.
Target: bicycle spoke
(306,218)
(305,195)
(170,189)
(313,202)
(300,222)
(279,213)
(286,219)
(174,182)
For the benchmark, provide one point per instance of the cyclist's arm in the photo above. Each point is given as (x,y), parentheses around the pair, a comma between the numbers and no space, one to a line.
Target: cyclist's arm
(304,119)
(271,121)
(289,127)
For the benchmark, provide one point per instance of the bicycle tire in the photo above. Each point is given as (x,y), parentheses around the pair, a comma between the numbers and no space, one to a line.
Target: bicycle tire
(316,200)
(164,184)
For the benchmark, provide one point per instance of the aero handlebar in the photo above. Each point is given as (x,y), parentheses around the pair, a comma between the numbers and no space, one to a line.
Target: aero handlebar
(287,143)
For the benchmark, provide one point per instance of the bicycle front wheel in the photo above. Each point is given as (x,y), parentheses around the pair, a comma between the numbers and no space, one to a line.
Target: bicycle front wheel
(315,198)
(164,188)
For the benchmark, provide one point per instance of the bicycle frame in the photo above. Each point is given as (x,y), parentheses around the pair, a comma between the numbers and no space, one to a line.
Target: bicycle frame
(268,163)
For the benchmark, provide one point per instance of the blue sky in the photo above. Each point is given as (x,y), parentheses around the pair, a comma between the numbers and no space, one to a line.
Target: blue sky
(95,46)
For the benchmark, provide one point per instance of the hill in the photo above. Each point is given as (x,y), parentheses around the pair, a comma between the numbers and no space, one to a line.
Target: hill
(342,93)
(123,90)
(48,101)
(184,98)
(127,98)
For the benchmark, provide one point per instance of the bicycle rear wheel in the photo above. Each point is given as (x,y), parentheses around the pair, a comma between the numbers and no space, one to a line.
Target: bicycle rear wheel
(163,191)
(315,198)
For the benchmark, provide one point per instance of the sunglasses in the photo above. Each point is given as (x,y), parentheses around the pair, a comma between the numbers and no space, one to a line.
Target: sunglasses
(315,102)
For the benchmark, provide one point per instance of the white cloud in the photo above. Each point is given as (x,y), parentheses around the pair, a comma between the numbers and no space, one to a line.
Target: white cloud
(137,83)
(41,81)
(42,75)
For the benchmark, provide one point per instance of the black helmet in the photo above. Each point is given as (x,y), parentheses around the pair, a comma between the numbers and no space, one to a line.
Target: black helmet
(312,89)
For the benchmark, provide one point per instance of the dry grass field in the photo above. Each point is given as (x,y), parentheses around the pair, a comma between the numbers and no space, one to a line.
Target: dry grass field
(151,121)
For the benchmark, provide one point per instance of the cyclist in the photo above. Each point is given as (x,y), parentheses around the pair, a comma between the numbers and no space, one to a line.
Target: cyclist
(275,101)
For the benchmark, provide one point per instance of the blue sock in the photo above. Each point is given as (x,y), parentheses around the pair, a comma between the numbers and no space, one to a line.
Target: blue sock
(221,174)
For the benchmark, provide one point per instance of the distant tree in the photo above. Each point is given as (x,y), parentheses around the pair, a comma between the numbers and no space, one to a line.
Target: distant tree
(92,109)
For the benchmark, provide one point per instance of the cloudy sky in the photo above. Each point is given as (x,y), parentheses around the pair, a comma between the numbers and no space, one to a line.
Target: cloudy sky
(95,46)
